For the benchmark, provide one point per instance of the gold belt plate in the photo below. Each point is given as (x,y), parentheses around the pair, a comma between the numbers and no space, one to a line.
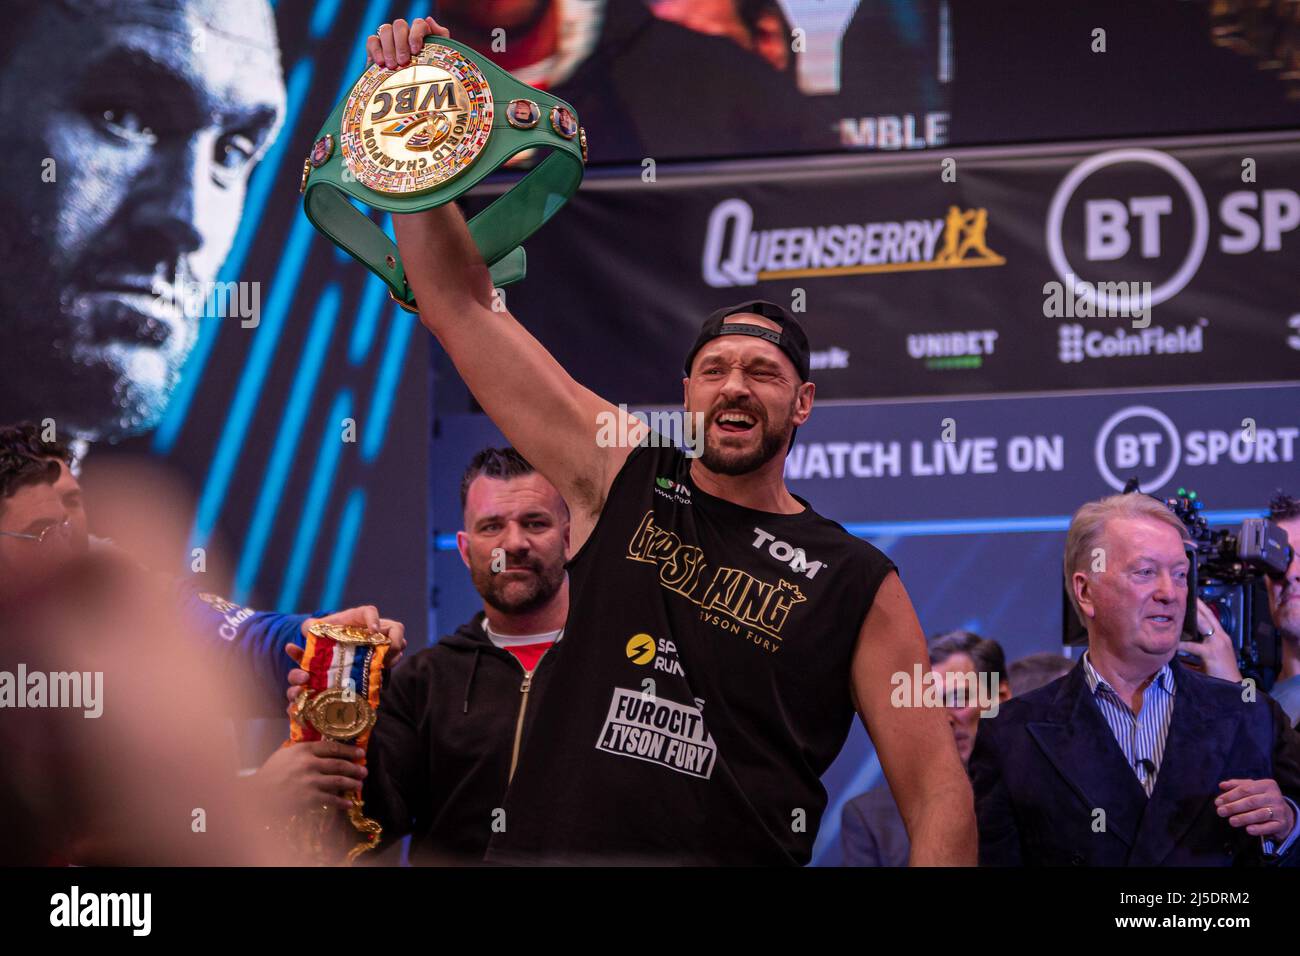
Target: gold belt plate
(338,715)
(409,131)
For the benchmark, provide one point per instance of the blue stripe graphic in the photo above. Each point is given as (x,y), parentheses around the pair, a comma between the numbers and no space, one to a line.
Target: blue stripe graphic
(322,479)
(286,442)
(322,18)
(373,298)
(344,547)
(390,374)
(284,287)
(375,14)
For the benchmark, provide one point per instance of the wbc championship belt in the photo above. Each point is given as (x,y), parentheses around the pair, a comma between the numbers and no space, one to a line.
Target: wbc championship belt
(411,139)
(344,666)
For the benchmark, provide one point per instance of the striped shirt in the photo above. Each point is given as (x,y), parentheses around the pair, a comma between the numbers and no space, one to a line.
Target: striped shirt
(1140,736)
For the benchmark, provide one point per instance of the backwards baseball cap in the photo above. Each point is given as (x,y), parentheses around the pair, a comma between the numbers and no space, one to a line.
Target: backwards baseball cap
(791,339)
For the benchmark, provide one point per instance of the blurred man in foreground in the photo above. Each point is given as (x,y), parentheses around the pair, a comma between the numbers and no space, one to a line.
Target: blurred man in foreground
(44,536)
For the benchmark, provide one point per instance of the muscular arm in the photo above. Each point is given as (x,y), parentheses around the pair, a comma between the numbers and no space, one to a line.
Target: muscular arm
(551,419)
(915,746)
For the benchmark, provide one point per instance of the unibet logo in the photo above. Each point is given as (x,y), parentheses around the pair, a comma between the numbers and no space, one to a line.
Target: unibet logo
(949,350)
(641,649)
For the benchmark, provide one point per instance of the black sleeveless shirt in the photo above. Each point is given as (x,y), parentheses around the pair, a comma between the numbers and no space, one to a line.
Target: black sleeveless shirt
(702,686)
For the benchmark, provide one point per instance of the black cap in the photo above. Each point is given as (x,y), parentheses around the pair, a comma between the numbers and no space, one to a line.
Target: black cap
(791,339)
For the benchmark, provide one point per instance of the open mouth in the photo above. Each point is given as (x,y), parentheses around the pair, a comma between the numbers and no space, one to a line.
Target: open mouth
(733,422)
(137,318)
(1160,620)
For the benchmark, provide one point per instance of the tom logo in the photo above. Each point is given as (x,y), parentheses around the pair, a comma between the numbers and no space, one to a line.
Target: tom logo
(787,554)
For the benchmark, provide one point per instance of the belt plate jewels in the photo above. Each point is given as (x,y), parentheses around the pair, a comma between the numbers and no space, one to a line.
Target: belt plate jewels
(412,130)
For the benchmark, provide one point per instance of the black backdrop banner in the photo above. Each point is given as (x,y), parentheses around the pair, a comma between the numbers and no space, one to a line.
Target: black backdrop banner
(1132,264)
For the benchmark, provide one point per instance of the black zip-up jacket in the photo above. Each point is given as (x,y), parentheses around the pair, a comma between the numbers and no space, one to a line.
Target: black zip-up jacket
(440,754)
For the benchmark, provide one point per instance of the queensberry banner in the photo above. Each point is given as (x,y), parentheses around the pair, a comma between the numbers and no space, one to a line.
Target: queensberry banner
(1037,268)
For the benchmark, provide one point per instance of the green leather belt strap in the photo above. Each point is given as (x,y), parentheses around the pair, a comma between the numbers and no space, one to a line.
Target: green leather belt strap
(498,230)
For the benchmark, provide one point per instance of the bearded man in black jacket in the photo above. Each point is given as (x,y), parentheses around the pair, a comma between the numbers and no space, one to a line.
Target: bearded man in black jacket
(453,717)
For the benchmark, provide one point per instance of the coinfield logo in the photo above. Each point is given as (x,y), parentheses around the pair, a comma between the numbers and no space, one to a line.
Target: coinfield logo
(737,254)
(1076,343)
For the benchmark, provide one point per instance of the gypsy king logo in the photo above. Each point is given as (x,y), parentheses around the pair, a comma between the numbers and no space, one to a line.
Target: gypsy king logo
(737,254)
(729,598)
(413,130)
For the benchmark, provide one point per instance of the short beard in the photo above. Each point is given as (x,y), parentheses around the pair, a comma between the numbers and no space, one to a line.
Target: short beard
(489,586)
(776,438)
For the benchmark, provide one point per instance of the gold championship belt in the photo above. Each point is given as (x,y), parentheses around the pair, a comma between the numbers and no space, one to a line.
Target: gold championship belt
(340,702)
(414,138)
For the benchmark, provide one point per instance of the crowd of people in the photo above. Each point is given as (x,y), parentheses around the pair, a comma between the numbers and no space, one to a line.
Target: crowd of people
(1114,758)
(670,654)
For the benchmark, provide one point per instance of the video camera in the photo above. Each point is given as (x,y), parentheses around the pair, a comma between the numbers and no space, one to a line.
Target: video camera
(1229,572)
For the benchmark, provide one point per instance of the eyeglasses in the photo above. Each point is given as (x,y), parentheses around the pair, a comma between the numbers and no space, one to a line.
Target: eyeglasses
(64,528)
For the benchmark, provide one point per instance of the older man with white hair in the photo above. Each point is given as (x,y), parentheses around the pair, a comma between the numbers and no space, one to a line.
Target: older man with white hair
(1132,759)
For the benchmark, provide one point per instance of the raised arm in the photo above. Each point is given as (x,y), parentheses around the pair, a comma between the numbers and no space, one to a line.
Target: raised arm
(914,744)
(551,419)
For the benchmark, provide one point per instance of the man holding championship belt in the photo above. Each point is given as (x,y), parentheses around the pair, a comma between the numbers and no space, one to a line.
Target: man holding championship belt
(720,632)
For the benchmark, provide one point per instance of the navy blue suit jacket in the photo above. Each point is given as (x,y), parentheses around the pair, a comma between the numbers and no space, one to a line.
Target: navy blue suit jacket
(1044,766)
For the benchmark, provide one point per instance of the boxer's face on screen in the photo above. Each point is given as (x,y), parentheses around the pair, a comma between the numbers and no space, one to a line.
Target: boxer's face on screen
(128,164)
(514,542)
(750,395)
(1137,604)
